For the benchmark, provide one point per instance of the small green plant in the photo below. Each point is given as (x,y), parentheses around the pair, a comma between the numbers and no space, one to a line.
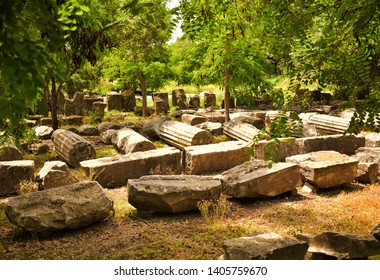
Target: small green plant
(214,211)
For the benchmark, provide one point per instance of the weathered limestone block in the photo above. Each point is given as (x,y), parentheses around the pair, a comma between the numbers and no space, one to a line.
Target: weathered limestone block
(115,171)
(55,174)
(39,148)
(367,172)
(71,120)
(108,135)
(129,141)
(74,106)
(256,179)
(114,101)
(45,121)
(67,207)
(172,193)
(12,173)
(268,150)
(209,99)
(329,124)
(240,131)
(43,132)
(325,169)
(212,127)
(161,103)
(213,116)
(9,151)
(344,246)
(344,144)
(98,108)
(264,246)
(372,140)
(104,126)
(88,130)
(192,119)
(90,100)
(195,102)
(129,100)
(71,147)
(254,121)
(179,99)
(205,159)
(181,135)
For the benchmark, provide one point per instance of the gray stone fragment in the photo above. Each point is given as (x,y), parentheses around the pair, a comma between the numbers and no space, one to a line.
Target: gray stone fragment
(44,132)
(172,194)
(192,119)
(344,245)
(212,127)
(55,174)
(372,140)
(68,207)
(114,101)
(9,151)
(265,246)
(12,173)
(161,103)
(108,135)
(367,172)
(88,130)
(39,148)
(326,169)
(240,131)
(256,179)
(271,150)
(127,141)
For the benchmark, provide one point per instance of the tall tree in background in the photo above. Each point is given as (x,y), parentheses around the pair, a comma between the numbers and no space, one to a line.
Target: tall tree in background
(233,57)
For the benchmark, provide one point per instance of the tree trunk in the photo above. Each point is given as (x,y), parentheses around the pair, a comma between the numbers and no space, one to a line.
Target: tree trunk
(143,91)
(53,104)
(227,75)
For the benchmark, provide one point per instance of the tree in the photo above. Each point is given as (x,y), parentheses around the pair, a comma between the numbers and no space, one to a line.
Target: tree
(228,30)
(141,50)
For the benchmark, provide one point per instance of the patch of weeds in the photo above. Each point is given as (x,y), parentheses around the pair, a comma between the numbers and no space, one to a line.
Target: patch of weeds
(80,174)
(26,187)
(221,138)
(123,210)
(106,151)
(214,211)
(160,144)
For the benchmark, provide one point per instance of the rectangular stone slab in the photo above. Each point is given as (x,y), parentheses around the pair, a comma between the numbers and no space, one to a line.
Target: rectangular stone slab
(325,169)
(256,179)
(210,158)
(12,173)
(115,171)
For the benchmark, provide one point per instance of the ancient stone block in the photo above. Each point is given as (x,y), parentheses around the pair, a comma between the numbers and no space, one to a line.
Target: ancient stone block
(98,109)
(376,232)
(9,151)
(161,103)
(344,144)
(254,121)
(192,119)
(67,207)
(256,179)
(129,141)
(12,173)
(372,139)
(329,124)
(240,131)
(172,193)
(325,169)
(271,150)
(195,102)
(117,170)
(367,172)
(179,99)
(72,147)
(88,130)
(129,100)
(209,99)
(344,246)
(39,148)
(264,246)
(205,159)
(74,106)
(55,174)
(108,135)
(90,100)
(213,116)
(104,126)
(231,102)
(151,128)
(212,127)
(181,135)
(114,101)
(71,120)
(43,132)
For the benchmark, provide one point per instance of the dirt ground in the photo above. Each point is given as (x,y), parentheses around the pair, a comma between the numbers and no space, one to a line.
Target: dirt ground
(350,208)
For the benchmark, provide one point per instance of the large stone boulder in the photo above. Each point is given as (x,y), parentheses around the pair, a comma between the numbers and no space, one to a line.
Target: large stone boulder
(9,151)
(12,173)
(344,246)
(172,193)
(256,179)
(264,246)
(325,169)
(68,207)
(55,174)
